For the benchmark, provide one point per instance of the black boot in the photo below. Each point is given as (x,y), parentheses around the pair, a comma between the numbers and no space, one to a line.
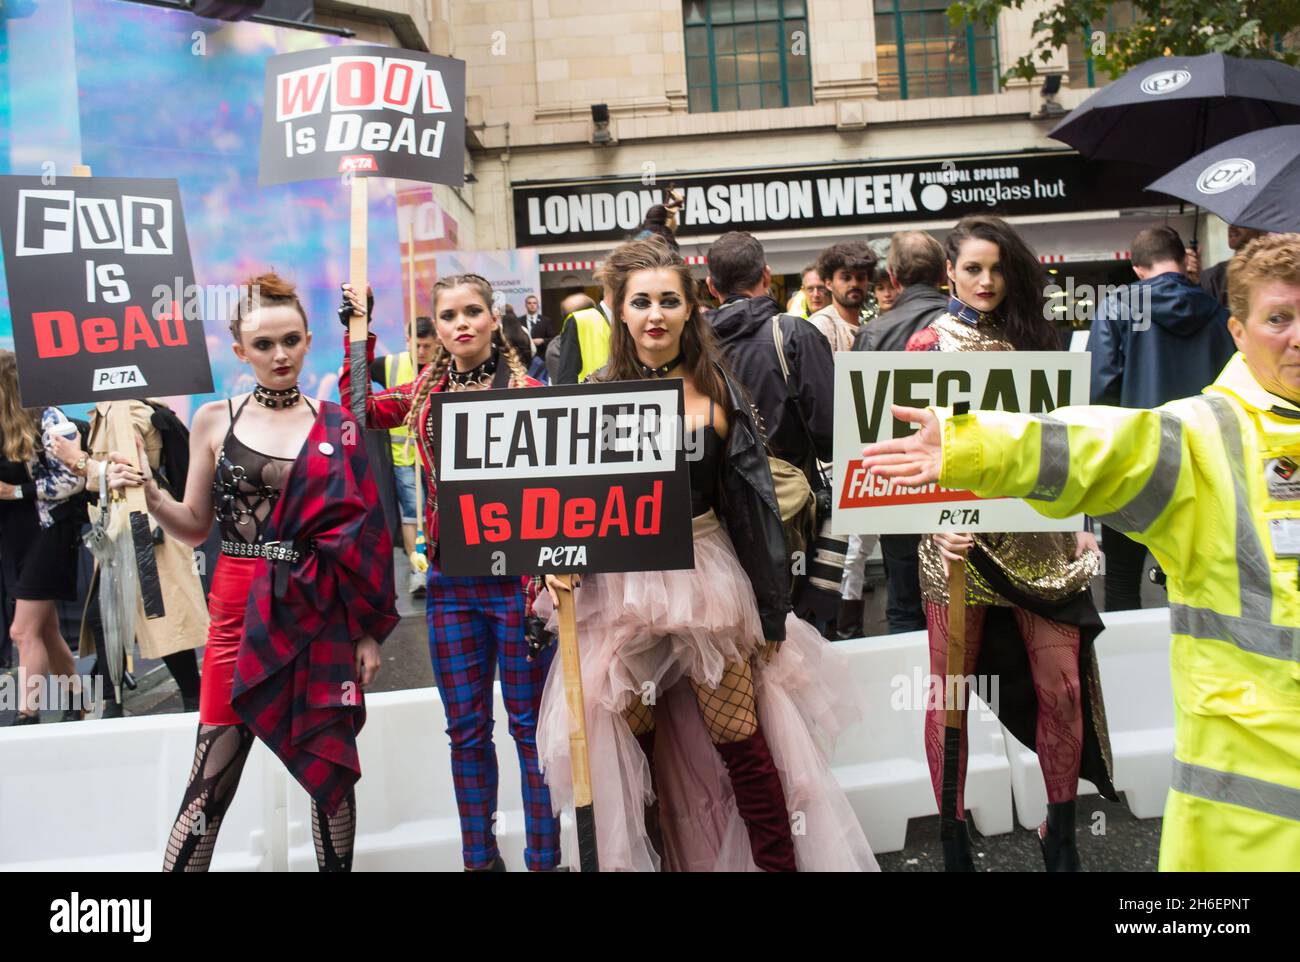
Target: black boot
(24,719)
(112,709)
(498,865)
(1059,852)
(956,850)
(848,621)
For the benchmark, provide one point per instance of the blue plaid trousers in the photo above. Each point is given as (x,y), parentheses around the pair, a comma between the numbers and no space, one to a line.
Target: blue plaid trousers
(475,626)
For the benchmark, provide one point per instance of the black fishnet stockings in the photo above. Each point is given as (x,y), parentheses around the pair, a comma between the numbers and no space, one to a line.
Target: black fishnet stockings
(219,756)
(334,844)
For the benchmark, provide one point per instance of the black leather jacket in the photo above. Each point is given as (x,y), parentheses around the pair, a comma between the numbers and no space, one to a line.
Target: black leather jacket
(751,515)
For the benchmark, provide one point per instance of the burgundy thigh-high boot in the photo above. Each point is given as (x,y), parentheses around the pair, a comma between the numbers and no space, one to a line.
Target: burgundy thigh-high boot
(652,829)
(760,798)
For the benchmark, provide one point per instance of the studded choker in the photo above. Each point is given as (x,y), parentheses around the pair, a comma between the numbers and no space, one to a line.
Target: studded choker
(479,375)
(662,370)
(283,398)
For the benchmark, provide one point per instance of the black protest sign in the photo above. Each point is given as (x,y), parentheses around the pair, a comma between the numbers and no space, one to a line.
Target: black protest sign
(372,111)
(586,478)
(101,290)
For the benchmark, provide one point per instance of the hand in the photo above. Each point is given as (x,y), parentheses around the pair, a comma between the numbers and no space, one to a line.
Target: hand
(538,638)
(953,548)
(367,661)
(1085,541)
(1192,268)
(67,451)
(913,460)
(769,648)
(419,562)
(8,491)
(554,583)
(352,304)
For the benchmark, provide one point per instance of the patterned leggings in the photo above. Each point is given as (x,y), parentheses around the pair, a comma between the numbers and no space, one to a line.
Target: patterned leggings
(476,625)
(1054,662)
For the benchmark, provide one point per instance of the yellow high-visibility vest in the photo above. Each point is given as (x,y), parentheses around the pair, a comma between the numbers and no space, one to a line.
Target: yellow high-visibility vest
(1207,483)
(593,339)
(399,369)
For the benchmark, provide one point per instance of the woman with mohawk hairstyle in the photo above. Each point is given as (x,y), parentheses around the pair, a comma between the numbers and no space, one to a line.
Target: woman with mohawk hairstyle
(475,623)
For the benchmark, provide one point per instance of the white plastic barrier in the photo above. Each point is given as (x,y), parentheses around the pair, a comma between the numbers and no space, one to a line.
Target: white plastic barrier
(103,794)
(880,762)
(1133,658)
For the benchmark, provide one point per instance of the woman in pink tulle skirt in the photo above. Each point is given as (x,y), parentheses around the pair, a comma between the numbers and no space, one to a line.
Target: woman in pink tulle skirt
(711,710)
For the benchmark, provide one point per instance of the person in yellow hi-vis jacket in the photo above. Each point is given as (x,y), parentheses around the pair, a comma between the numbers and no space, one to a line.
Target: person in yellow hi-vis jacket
(1211,484)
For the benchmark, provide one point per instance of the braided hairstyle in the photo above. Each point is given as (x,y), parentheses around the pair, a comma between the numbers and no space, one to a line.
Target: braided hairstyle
(436,372)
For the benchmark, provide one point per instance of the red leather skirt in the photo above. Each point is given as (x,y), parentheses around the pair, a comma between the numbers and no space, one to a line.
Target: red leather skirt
(232,583)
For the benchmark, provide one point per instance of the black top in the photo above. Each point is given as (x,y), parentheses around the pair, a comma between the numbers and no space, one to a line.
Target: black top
(706,456)
(247,484)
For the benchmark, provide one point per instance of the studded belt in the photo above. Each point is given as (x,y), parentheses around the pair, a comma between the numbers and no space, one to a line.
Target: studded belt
(271,550)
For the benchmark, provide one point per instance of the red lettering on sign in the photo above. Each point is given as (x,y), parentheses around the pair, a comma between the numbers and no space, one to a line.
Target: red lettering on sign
(648,509)
(358,162)
(496,526)
(541,514)
(137,329)
(299,91)
(469,518)
(51,342)
(100,335)
(580,518)
(402,72)
(172,336)
(615,513)
(862,490)
(354,84)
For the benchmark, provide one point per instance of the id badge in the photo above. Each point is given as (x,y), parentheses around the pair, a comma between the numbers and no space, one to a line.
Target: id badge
(1285,533)
(1282,476)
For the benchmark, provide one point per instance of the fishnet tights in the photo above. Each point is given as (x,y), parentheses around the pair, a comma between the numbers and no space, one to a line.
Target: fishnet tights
(334,845)
(219,755)
(729,710)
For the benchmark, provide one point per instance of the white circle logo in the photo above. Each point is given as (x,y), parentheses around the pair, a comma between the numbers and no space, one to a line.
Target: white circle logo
(1166,81)
(1225,175)
(933,197)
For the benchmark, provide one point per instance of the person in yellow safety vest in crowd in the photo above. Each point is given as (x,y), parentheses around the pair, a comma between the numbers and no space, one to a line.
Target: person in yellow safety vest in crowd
(584,344)
(1211,484)
(810,298)
(390,371)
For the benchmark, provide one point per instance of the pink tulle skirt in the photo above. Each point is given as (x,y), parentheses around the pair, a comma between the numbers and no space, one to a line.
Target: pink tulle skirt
(643,635)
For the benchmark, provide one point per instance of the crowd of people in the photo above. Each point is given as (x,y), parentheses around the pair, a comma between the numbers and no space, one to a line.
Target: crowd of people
(749,694)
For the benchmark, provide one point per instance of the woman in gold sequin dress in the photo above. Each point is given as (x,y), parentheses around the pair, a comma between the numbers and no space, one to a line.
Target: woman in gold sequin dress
(1030,618)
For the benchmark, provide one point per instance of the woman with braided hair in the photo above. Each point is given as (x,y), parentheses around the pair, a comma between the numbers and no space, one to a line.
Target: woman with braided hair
(710,708)
(475,623)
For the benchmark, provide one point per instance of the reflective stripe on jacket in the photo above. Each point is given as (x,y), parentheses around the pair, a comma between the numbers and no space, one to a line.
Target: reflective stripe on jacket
(401,372)
(1199,482)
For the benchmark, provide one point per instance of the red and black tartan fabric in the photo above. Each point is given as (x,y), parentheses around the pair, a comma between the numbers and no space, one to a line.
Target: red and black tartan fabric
(295,677)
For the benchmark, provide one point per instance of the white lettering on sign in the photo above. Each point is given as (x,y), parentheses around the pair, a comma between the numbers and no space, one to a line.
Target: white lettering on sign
(59,222)
(112,378)
(360,83)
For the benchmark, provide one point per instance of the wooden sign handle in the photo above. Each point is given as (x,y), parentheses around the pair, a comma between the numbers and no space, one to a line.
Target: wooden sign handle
(956,641)
(584,813)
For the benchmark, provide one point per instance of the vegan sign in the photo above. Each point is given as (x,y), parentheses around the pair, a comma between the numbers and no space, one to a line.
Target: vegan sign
(583,478)
(97,270)
(372,111)
(867,383)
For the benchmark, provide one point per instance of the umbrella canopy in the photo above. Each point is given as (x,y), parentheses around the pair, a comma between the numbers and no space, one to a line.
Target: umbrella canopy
(1168,109)
(1251,181)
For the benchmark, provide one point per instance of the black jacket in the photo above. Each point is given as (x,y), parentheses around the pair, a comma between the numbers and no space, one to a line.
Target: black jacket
(743,327)
(750,512)
(915,310)
(1144,361)
(1215,281)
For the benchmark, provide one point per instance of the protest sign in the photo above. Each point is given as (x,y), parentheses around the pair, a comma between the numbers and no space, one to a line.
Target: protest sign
(868,382)
(584,478)
(101,290)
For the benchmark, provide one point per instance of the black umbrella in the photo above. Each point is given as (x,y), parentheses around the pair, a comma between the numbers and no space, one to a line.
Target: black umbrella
(1251,181)
(1169,109)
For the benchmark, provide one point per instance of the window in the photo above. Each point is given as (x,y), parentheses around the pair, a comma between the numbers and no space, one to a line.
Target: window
(1082,69)
(747,54)
(919,53)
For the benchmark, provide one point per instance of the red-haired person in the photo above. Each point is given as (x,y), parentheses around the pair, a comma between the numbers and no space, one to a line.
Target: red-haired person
(302,594)
(476,624)
(703,691)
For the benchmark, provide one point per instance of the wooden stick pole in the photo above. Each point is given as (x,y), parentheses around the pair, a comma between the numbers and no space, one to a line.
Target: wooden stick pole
(584,811)
(415,365)
(954,676)
(358,326)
